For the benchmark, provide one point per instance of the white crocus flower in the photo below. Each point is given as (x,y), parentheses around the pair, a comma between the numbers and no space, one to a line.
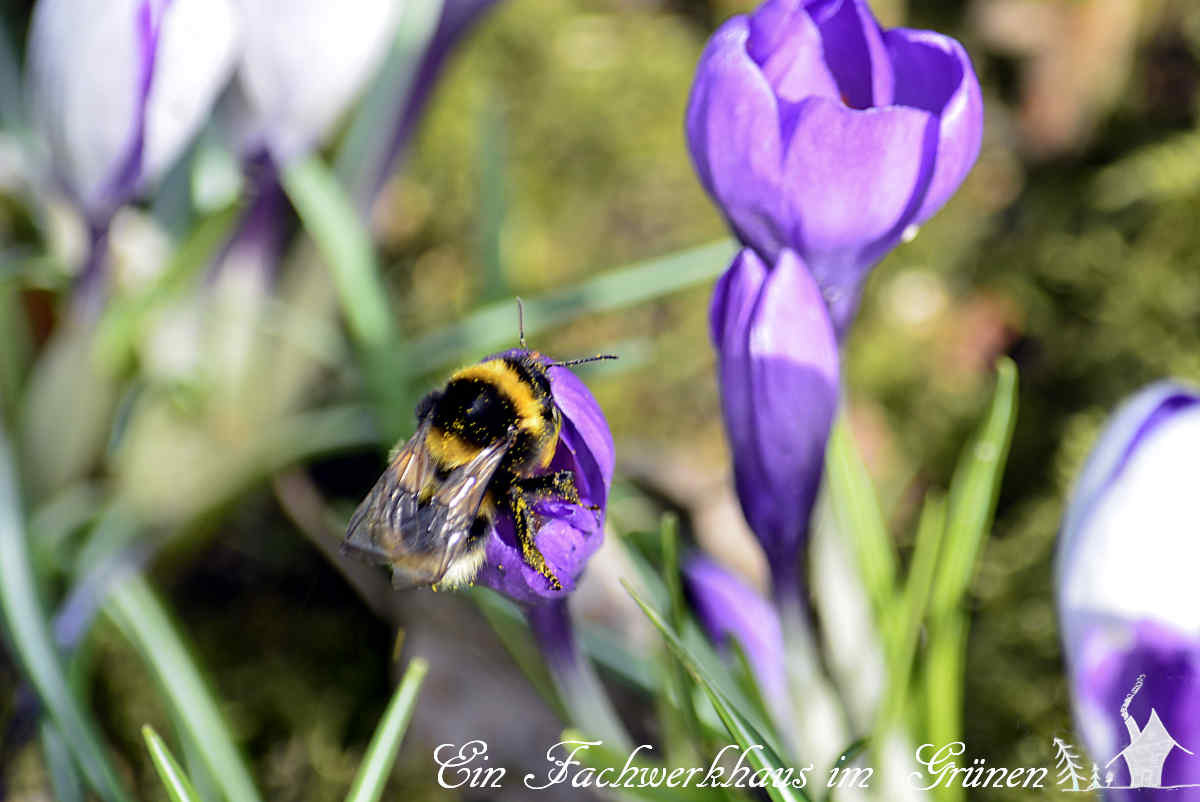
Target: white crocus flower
(1128,594)
(119,87)
(302,64)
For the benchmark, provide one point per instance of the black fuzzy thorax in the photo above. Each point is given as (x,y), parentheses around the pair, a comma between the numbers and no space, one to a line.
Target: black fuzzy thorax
(482,411)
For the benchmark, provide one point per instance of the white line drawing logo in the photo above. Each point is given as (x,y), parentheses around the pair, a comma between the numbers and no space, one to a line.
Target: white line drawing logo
(1149,746)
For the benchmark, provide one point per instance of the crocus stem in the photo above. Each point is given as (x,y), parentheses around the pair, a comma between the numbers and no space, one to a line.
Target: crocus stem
(261,232)
(583,696)
(821,730)
(91,285)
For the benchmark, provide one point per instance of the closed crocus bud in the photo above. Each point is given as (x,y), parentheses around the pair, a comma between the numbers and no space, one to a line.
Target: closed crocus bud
(815,130)
(568,534)
(729,609)
(303,62)
(119,87)
(1128,598)
(777,362)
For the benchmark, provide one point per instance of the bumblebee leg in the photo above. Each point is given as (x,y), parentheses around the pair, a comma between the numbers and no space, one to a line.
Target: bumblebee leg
(521,507)
(560,484)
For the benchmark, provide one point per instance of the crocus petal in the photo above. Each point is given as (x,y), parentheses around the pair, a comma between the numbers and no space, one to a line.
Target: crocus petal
(727,608)
(585,435)
(933,72)
(196,52)
(855,52)
(786,44)
(1132,506)
(778,365)
(1168,664)
(876,132)
(118,88)
(1127,595)
(733,132)
(303,62)
(731,315)
(856,179)
(565,547)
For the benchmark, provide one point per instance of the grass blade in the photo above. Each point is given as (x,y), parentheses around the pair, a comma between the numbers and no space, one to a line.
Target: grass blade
(136,610)
(385,744)
(759,753)
(31,642)
(178,786)
(930,531)
(611,652)
(972,504)
(495,325)
(64,777)
(857,512)
(974,490)
(687,725)
(343,240)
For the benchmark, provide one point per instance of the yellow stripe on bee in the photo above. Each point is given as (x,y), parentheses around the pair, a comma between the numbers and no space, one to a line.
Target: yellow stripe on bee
(500,375)
(449,450)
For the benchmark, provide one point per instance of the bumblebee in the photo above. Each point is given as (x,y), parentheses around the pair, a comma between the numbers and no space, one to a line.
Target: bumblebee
(482,447)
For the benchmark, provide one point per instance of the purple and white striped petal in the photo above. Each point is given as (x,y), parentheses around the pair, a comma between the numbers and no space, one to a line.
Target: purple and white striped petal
(1128,599)
(119,87)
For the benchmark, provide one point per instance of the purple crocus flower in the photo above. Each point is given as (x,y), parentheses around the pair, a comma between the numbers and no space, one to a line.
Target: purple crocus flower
(569,533)
(728,608)
(119,87)
(815,130)
(777,362)
(1128,597)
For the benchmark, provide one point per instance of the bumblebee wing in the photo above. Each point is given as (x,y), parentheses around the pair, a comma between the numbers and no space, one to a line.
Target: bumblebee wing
(414,520)
(376,529)
(457,499)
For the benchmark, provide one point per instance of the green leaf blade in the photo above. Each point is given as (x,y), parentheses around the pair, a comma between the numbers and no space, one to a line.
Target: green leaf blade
(758,752)
(974,491)
(345,243)
(857,511)
(28,634)
(179,788)
(385,744)
(971,507)
(137,612)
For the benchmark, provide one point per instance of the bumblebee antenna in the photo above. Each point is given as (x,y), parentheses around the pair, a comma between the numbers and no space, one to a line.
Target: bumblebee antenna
(570,362)
(521,320)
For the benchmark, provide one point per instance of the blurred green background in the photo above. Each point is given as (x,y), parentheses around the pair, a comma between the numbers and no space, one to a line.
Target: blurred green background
(553,150)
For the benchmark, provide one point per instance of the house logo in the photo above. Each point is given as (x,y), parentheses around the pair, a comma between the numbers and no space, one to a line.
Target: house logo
(1149,746)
